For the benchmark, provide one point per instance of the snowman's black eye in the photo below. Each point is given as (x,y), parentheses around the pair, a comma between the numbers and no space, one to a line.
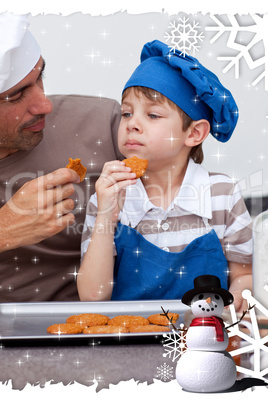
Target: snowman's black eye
(217,297)
(200,297)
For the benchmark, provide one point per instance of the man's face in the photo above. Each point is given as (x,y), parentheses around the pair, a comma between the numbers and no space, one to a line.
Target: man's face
(22,113)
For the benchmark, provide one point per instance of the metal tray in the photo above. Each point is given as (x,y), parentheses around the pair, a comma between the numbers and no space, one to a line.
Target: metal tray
(29,321)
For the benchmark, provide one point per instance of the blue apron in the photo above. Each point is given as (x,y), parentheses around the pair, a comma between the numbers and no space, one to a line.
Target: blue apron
(144,271)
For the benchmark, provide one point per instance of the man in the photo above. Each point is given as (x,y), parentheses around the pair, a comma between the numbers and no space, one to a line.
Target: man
(42,203)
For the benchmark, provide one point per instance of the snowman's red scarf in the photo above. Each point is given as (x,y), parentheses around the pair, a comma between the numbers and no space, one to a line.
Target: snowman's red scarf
(210,322)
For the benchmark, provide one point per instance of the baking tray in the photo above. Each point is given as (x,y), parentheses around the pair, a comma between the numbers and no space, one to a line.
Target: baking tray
(29,321)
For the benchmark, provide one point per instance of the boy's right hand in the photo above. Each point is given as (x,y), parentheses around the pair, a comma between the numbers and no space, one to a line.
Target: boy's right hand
(110,188)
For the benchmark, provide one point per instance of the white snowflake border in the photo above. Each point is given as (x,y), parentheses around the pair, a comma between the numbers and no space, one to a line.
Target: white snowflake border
(183,36)
(175,343)
(258,31)
(256,344)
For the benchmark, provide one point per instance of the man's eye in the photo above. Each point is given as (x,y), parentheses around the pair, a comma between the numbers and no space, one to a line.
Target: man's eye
(16,98)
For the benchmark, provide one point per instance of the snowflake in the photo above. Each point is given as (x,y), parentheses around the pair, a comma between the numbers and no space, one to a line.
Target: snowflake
(238,33)
(165,372)
(174,344)
(256,344)
(184,36)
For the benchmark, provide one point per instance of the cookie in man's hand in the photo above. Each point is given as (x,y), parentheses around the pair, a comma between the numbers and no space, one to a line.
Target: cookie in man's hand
(76,165)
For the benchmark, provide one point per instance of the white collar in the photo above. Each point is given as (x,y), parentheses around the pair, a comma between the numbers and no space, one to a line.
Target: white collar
(136,205)
(193,197)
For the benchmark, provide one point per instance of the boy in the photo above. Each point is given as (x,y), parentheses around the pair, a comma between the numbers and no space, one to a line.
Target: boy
(178,221)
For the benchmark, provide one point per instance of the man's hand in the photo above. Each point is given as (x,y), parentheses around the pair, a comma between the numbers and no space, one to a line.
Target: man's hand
(40,209)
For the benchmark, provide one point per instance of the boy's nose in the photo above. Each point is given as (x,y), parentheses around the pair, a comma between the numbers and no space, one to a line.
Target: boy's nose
(134,125)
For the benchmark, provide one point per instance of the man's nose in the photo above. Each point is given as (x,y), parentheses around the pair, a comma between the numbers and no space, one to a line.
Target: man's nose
(40,104)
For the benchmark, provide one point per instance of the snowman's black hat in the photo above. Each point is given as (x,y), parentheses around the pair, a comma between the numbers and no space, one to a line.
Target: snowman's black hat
(207,284)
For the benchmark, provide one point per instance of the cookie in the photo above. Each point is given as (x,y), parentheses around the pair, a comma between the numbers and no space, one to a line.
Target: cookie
(128,320)
(105,329)
(160,319)
(76,165)
(148,328)
(88,319)
(65,328)
(137,165)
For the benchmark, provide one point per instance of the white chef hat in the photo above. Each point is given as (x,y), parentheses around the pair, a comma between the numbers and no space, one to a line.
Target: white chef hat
(19,51)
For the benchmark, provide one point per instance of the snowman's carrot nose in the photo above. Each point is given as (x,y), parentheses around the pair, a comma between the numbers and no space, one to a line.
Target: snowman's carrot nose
(208,300)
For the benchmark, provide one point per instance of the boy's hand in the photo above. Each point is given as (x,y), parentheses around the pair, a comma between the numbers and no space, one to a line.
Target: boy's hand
(240,279)
(110,188)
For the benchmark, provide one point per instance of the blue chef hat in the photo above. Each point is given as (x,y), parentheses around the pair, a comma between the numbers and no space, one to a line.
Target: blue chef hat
(183,80)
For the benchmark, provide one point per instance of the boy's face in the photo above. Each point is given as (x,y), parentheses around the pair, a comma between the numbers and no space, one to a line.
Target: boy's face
(151,130)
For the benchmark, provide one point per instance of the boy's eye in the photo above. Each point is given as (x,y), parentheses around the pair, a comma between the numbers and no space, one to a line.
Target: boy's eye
(125,114)
(153,116)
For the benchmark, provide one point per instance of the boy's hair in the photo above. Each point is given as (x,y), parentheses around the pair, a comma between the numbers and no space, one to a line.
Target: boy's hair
(196,152)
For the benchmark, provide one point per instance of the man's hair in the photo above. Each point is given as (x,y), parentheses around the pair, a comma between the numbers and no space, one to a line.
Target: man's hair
(196,152)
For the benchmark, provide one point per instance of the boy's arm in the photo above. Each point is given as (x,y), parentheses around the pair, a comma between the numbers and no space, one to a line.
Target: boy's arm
(95,278)
(240,279)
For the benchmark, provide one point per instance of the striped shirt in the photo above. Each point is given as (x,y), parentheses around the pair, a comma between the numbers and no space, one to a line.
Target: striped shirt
(204,201)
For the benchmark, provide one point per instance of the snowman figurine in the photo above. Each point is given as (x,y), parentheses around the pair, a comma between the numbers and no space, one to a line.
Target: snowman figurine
(206,366)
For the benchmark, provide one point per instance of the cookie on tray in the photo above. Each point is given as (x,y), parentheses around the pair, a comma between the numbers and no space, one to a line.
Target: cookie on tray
(128,320)
(88,319)
(65,329)
(105,329)
(149,328)
(161,319)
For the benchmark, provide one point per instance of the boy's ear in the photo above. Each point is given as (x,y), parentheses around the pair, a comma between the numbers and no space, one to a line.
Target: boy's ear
(198,132)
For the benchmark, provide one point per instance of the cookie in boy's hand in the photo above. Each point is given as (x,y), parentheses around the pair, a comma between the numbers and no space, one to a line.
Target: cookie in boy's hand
(76,165)
(137,165)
